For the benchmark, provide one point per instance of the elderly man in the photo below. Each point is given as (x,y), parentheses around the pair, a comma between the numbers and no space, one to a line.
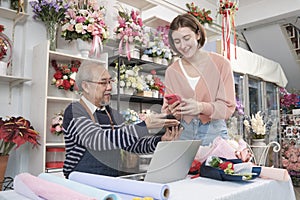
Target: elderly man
(95,133)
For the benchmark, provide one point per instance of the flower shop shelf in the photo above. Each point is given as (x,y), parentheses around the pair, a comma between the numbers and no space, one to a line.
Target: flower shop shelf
(49,101)
(139,4)
(147,65)
(61,56)
(137,99)
(12,14)
(14,80)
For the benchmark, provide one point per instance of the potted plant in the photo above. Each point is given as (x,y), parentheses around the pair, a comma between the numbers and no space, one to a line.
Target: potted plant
(14,132)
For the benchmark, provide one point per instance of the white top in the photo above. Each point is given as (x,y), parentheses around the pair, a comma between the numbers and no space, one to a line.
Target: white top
(192,80)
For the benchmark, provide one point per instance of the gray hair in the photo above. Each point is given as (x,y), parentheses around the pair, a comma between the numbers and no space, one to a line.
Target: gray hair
(86,72)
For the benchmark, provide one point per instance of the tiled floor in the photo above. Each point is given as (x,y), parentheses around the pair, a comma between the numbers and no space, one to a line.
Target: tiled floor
(297,192)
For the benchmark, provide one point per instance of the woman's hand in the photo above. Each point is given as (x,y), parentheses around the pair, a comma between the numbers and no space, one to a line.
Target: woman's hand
(190,107)
(172,133)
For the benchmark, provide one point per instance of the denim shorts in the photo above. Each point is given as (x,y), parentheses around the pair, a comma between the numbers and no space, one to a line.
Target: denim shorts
(195,130)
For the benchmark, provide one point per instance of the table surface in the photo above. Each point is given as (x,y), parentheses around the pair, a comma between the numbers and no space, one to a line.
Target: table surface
(209,189)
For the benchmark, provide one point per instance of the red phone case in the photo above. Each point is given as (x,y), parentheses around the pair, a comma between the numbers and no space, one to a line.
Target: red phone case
(171,98)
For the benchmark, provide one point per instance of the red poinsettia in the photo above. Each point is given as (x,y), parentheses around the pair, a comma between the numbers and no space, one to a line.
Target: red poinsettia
(16,131)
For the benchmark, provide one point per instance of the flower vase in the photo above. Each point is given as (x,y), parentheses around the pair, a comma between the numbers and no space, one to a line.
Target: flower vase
(3,165)
(84,47)
(258,147)
(52,28)
(3,68)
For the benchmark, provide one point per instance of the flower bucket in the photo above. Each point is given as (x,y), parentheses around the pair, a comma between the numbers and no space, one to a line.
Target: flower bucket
(128,91)
(3,68)
(3,165)
(84,47)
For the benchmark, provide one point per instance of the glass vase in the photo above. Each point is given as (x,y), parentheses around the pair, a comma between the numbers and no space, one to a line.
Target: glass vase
(51,34)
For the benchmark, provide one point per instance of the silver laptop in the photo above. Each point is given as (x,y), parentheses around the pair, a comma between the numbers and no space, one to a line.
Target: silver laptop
(171,161)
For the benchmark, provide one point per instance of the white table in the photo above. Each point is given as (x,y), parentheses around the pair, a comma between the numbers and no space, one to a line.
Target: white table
(209,189)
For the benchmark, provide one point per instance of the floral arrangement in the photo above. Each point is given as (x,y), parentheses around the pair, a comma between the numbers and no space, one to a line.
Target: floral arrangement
(129,77)
(15,131)
(56,124)
(129,29)
(64,76)
(227,9)
(85,22)
(228,6)
(49,10)
(258,125)
(5,46)
(291,160)
(239,107)
(155,83)
(131,116)
(158,44)
(201,14)
(288,101)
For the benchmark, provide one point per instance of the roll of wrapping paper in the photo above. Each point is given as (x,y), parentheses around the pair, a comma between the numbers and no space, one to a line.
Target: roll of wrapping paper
(36,188)
(79,187)
(125,186)
(274,173)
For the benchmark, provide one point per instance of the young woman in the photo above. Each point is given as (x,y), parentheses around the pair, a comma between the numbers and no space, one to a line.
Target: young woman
(203,80)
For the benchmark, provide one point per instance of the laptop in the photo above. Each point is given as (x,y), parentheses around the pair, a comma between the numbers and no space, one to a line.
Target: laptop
(171,161)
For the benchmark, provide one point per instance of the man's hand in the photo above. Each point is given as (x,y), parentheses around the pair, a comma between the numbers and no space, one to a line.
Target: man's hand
(159,121)
(172,133)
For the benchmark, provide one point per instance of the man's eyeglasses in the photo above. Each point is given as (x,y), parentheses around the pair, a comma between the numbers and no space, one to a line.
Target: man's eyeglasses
(102,83)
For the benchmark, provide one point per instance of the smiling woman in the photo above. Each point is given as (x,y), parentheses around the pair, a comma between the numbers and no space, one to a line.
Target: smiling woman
(203,80)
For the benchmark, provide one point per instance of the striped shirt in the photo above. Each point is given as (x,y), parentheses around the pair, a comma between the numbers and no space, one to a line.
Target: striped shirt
(81,133)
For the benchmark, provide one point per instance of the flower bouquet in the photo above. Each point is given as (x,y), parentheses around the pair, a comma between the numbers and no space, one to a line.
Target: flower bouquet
(258,126)
(5,51)
(155,83)
(129,77)
(64,76)
(158,45)
(131,116)
(129,29)
(291,159)
(288,101)
(51,12)
(201,14)
(56,124)
(14,132)
(86,22)
(229,169)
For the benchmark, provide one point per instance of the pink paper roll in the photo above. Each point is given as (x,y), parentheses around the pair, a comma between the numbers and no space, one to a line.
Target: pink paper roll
(274,173)
(36,188)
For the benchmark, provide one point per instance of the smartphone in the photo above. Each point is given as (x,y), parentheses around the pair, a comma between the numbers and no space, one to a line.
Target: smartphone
(172,98)
(170,116)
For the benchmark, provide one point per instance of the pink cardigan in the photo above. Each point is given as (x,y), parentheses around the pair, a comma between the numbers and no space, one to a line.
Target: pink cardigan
(215,88)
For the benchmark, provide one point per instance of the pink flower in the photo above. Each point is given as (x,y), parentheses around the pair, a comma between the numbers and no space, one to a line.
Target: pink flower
(80,19)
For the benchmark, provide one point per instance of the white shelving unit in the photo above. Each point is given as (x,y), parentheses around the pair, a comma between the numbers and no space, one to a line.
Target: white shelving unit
(47,101)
